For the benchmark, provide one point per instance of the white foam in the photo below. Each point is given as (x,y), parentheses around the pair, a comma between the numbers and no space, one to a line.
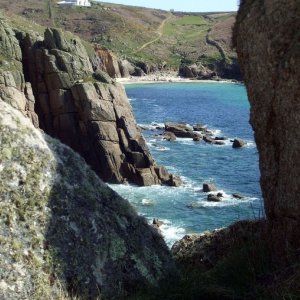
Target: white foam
(147,202)
(152,126)
(170,232)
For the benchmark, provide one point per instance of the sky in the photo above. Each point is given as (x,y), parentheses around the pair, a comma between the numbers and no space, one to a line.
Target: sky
(184,5)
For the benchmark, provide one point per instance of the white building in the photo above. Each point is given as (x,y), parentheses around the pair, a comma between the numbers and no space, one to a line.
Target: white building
(75,2)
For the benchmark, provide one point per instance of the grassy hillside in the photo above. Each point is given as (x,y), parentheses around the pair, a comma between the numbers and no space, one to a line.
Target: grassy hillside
(140,34)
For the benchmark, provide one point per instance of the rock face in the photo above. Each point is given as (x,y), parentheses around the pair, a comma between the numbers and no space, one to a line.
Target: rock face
(13,87)
(209,187)
(111,64)
(268,46)
(64,233)
(84,109)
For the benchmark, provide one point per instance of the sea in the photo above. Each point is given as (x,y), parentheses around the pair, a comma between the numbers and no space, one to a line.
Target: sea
(224,109)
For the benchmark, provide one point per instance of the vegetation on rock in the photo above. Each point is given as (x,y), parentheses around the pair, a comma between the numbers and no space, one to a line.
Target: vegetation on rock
(63,232)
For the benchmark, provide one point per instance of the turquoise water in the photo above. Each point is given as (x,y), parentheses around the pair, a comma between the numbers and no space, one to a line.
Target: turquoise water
(224,108)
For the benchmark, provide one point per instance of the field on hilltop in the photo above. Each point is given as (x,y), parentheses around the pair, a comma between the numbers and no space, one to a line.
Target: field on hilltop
(164,39)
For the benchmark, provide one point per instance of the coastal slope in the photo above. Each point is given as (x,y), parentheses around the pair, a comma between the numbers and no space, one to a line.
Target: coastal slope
(144,40)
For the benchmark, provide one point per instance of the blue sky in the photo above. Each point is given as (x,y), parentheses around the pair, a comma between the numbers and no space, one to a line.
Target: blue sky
(184,5)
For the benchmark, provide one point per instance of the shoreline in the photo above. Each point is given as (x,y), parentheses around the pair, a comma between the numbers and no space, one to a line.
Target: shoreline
(150,79)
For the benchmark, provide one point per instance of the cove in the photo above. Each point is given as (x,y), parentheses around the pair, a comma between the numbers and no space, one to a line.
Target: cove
(222,107)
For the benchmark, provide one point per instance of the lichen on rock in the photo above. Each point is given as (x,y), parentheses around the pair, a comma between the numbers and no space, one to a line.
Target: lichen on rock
(63,232)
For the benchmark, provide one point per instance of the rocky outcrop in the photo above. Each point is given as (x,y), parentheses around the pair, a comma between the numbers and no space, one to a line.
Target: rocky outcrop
(63,232)
(198,71)
(111,64)
(216,70)
(180,130)
(13,87)
(238,143)
(213,198)
(85,109)
(268,46)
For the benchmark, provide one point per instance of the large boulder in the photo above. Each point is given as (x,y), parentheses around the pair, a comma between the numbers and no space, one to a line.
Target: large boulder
(180,130)
(169,136)
(64,233)
(268,46)
(238,143)
(214,198)
(209,187)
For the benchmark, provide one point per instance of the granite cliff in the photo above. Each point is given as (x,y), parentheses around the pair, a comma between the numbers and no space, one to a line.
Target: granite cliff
(268,45)
(57,81)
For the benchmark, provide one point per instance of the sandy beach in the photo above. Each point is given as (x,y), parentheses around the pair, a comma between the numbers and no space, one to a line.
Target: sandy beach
(164,78)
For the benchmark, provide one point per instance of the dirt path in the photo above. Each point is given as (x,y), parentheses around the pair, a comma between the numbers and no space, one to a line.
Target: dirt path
(159,31)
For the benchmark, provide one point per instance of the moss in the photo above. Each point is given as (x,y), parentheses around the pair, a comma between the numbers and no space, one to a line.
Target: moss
(117,247)
(143,270)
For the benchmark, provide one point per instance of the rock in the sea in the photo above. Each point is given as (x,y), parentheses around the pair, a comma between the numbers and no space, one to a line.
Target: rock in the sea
(169,136)
(213,198)
(199,127)
(197,138)
(180,130)
(220,195)
(209,187)
(238,143)
(220,143)
(157,222)
(64,233)
(174,181)
(238,196)
(208,139)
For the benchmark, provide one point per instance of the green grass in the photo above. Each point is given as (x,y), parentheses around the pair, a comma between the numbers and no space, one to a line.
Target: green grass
(124,29)
(191,20)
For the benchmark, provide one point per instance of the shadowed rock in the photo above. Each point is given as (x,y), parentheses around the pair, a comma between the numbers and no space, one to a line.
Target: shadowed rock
(238,143)
(209,187)
(64,233)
